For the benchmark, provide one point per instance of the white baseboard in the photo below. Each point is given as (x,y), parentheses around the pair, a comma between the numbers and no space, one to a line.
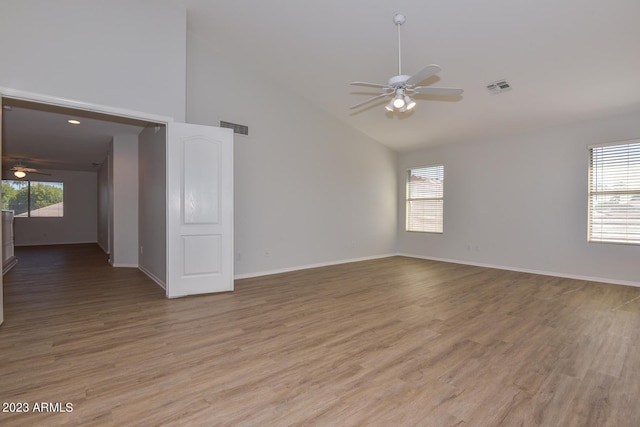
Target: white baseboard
(526,270)
(308,266)
(9,264)
(105,250)
(153,277)
(52,243)
(125,265)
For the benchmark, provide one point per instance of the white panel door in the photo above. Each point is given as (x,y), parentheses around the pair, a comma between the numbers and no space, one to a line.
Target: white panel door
(199,209)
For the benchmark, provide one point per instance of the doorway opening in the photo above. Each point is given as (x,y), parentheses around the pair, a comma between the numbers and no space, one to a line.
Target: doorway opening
(112,168)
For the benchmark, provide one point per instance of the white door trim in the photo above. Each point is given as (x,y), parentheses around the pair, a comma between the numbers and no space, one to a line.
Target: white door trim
(81,105)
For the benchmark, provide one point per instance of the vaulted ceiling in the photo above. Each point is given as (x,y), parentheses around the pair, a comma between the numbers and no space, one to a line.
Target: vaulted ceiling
(566,60)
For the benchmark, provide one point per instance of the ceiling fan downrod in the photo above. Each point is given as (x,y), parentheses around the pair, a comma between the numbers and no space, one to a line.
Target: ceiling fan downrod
(399,19)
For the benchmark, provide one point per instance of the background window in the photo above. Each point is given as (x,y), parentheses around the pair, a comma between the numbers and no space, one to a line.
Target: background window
(425,199)
(614,193)
(33,199)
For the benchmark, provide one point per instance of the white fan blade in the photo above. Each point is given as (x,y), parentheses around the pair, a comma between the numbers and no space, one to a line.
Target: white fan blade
(369,84)
(382,95)
(424,74)
(444,91)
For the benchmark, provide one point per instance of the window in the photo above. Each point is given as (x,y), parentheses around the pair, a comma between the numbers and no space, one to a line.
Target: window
(425,199)
(32,198)
(614,193)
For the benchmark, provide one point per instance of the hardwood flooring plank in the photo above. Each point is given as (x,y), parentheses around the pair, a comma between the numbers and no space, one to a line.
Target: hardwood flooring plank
(392,341)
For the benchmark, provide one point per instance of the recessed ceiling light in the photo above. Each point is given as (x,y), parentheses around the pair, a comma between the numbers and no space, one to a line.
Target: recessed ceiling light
(74,122)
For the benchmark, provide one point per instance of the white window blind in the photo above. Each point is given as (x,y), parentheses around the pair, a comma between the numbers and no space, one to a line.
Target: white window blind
(614,193)
(425,199)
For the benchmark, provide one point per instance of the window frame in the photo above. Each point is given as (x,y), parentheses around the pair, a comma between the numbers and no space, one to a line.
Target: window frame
(438,169)
(29,183)
(595,188)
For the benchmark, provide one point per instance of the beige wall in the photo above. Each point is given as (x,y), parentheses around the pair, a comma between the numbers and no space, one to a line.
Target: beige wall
(308,189)
(118,53)
(520,202)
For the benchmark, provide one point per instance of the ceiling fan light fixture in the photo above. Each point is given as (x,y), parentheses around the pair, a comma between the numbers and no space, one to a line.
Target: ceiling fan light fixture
(398,102)
(19,174)
(410,103)
(389,106)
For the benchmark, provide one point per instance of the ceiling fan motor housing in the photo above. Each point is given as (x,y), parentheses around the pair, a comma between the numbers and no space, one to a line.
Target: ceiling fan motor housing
(398,81)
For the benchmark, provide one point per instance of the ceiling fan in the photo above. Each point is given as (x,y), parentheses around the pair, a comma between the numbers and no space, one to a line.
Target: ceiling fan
(402,86)
(20,171)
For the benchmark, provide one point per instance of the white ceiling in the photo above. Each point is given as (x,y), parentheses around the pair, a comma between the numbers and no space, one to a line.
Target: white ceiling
(567,60)
(40,136)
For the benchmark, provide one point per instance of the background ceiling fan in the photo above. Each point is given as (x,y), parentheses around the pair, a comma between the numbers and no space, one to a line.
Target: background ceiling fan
(402,86)
(20,170)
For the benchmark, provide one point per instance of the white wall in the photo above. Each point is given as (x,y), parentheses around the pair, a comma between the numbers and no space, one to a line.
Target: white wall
(124,201)
(104,207)
(308,189)
(152,151)
(78,225)
(119,53)
(520,203)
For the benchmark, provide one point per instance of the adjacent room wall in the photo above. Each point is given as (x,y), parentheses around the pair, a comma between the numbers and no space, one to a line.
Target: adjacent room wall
(118,53)
(520,202)
(124,201)
(78,225)
(152,203)
(308,189)
(103,204)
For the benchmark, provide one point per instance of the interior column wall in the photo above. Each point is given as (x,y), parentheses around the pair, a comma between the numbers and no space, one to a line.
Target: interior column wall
(124,201)
(152,202)
(103,205)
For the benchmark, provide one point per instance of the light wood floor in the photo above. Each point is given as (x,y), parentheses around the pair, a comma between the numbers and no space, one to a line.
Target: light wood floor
(388,342)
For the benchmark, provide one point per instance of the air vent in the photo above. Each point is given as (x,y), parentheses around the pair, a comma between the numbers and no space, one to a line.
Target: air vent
(499,86)
(239,129)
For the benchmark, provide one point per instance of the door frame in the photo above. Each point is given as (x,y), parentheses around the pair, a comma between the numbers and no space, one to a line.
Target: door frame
(22,95)
(80,105)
